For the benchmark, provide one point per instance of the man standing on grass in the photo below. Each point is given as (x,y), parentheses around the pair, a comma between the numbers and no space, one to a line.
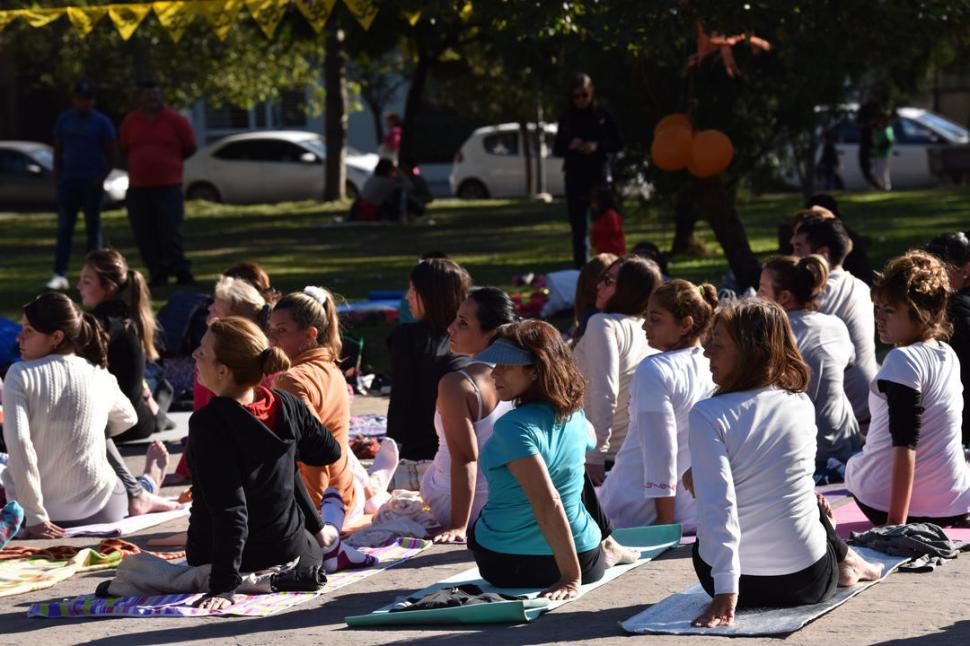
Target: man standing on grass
(84,154)
(156,140)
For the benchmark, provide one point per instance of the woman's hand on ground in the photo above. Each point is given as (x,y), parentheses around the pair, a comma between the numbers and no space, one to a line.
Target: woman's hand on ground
(213,603)
(45,530)
(564,589)
(720,612)
(596,473)
(456,535)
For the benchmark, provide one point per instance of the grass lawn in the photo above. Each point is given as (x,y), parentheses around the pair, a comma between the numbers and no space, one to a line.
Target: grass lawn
(301,244)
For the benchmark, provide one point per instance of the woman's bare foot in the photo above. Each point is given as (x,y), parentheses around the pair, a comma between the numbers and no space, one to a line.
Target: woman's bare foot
(156,463)
(854,568)
(148,503)
(616,554)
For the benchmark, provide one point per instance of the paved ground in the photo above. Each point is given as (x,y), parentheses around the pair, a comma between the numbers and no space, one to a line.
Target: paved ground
(927,609)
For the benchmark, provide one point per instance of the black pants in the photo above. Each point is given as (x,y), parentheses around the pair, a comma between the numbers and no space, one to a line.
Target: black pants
(578,192)
(540,571)
(156,216)
(877,517)
(814,584)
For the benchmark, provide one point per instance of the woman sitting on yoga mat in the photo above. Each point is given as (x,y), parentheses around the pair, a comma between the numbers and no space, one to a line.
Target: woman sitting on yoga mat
(304,325)
(467,409)
(763,537)
(912,468)
(250,509)
(420,355)
(644,487)
(120,300)
(825,345)
(57,403)
(542,525)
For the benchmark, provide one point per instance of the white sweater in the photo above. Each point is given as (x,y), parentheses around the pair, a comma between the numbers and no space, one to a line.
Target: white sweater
(56,410)
(847,297)
(753,455)
(655,455)
(608,355)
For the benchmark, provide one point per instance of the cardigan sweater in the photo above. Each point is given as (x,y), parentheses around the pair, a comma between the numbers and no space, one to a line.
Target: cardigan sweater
(56,410)
(316,379)
(245,510)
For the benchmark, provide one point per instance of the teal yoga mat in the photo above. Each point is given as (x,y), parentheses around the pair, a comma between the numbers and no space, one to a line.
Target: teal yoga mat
(651,541)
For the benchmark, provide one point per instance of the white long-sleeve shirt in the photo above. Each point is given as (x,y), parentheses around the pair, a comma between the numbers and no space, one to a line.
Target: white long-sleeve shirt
(607,355)
(56,410)
(824,343)
(656,454)
(848,298)
(753,455)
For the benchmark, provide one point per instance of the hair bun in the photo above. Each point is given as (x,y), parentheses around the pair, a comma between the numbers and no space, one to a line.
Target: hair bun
(316,293)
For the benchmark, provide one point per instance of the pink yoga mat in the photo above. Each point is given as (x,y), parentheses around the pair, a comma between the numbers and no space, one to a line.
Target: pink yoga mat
(851,519)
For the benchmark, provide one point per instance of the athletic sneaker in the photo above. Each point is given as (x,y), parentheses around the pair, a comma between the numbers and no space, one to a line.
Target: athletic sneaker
(58,281)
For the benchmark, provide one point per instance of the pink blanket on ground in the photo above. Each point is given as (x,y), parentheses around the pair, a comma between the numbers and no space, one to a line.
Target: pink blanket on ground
(849,518)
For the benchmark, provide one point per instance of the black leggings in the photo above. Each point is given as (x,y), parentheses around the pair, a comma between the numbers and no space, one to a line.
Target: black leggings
(540,571)
(814,584)
(877,517)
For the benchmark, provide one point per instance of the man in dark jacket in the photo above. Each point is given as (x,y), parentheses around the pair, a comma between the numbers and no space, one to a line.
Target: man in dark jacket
(586,138)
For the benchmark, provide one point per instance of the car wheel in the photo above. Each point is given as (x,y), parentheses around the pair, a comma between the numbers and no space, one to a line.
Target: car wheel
(203,191)
(472,189)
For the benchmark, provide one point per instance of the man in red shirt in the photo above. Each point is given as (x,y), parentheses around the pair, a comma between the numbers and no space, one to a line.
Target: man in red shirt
(156,140)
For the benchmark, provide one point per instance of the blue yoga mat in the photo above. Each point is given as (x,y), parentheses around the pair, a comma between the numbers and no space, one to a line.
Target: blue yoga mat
(651,541)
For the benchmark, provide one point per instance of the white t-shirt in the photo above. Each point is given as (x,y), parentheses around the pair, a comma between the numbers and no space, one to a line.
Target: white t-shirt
(848,298)
(607,355)
(753,456)
(824,343)
(656,453)
(941,484)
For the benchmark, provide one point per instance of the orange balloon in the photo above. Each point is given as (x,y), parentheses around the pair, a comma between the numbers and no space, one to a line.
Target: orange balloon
(711,153)
(671,148)
(675,119)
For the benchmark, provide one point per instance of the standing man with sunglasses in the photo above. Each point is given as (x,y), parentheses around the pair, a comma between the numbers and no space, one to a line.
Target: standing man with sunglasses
(586,138)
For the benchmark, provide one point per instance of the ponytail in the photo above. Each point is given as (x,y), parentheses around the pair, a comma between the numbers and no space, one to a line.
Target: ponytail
(91,342)
(83,334)
(242,347)
(315,307)
(113,271)
(804,278)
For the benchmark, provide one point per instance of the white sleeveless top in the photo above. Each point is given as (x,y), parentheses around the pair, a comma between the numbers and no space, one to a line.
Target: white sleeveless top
(436,483)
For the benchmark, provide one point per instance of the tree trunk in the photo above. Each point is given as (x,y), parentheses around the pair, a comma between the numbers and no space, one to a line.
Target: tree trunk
(717,205)
(541,147)
(377,114)
(684,220)
(808,161)
(526,147)
(334,70)
(412,105)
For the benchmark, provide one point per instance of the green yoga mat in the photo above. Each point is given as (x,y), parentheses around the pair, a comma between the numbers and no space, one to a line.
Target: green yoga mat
(651,541)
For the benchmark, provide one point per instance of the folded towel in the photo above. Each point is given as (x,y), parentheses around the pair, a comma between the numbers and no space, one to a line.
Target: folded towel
(383,533)
(405,504)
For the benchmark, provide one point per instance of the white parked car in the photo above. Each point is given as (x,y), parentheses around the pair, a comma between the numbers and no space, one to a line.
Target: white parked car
(266,167)
(27,176)
(491,164)
(916,131)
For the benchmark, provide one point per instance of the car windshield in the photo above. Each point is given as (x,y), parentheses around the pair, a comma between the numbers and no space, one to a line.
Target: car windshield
(317,146)
(44,157)
(947,128)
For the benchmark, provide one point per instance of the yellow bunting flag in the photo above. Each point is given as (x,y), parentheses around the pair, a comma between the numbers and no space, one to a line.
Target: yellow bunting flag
(412,17)
(127,17)
(267,14)
(466,11)
(221,15)
(40,17)
(363,10)
(175,17)
(316,12)
(7,17)
(83,19)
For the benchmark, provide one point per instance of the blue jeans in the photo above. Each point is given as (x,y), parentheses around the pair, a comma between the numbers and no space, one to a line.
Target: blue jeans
(156,214)
(75,195)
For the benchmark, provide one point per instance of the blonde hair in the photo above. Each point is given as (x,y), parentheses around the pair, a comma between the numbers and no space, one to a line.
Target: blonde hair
(242,347)
(242,299)
(919,281)
(314,307)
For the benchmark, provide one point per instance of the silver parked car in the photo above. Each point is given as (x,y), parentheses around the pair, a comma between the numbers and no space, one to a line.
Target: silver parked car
(27,176)
(267,167)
